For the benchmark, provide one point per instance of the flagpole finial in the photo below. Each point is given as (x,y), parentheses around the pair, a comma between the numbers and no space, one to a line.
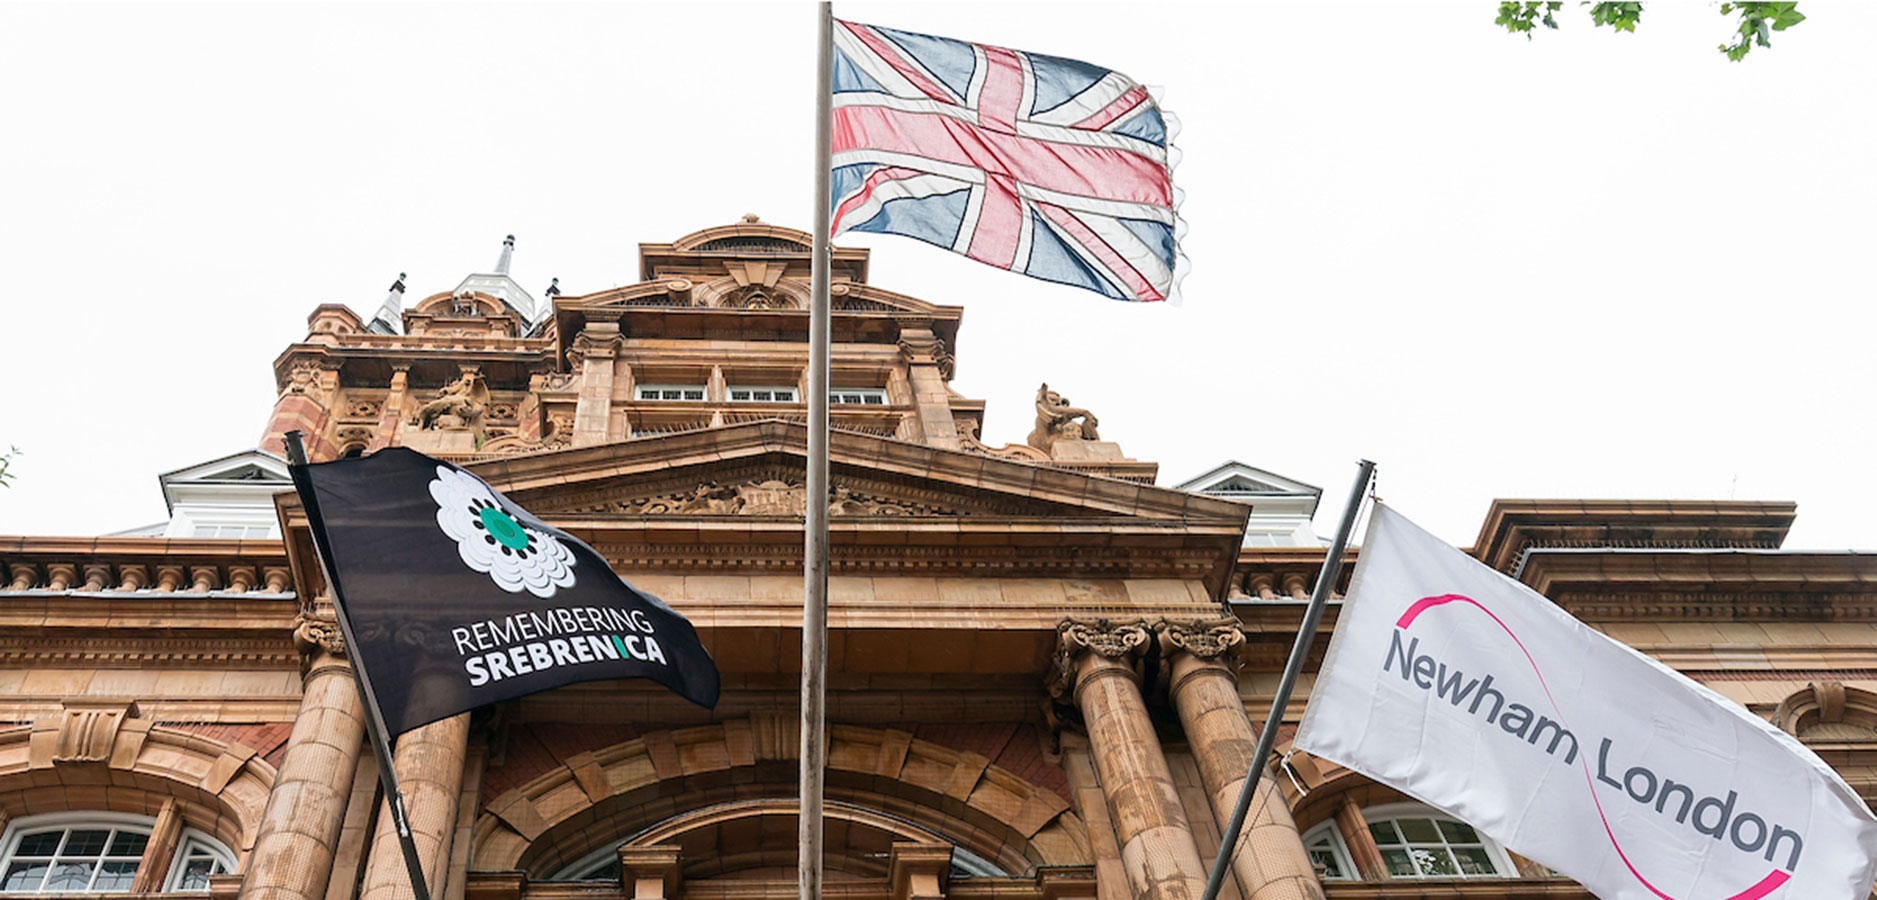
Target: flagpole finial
(508,255)
(752,219)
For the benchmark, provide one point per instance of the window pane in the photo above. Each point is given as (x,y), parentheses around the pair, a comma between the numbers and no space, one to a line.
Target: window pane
(1458,832)
(128,843)
(40,843)
(1418,831)
(195,875)
(1326,861)
(1384,832)
(875,399)
(70,876)
(761,395)
(1398,863)
(693,395)
(24,876)
(785,396)
(1474,861)
(85,842)
(116,876)
(1435,861)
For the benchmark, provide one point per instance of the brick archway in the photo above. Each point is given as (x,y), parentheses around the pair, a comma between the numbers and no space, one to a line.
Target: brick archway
(632,788)
(96,758)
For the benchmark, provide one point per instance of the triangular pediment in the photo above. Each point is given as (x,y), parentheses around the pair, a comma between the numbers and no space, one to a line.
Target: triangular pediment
(246,466)
(759,470)
(1235,479)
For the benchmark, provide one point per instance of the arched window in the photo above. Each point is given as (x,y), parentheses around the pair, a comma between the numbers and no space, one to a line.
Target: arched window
(1415,841)
(99,852)
(1327,853)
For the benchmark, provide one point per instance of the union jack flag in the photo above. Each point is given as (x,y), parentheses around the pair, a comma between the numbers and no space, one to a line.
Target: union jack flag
(1050,167)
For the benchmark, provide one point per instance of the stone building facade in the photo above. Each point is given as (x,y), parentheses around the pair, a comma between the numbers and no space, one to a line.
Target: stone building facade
(1045,671)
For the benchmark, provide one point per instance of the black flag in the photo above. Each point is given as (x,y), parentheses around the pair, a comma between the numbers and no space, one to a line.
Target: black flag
(459,598)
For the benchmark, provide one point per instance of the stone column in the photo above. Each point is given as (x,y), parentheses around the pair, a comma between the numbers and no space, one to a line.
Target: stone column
(592,356)
(1094,664)
(292,855)
(929,366)
(1271,863)
(429,763)
(1360,841)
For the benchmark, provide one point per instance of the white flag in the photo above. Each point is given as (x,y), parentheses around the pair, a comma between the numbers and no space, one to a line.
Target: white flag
(1478,696)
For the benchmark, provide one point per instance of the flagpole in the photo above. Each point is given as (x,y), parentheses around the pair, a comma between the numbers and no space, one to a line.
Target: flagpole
(1306,635)
(815,526)
(374,717)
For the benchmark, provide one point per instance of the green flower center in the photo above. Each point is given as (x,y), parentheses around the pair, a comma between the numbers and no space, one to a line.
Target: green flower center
(504,528)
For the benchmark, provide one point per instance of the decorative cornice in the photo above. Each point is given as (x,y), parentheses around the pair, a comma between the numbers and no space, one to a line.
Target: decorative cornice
(1122,642)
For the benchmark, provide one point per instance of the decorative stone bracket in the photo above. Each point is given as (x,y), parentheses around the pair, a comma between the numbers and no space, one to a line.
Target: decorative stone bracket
(88,729)
(919,871)
(650,873)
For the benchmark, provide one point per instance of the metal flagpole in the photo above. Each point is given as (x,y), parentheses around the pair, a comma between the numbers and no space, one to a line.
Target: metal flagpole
(815,527)
(1306,634)
(374,718)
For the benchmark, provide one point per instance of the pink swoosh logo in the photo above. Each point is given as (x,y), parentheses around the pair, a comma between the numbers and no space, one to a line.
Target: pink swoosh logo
(1773,880)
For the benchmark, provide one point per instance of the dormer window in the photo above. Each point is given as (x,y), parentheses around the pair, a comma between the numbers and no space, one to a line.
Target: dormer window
(858,396)
(670,392)
(762,394)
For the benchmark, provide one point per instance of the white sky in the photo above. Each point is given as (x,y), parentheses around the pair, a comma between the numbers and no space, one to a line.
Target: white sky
(1588,265)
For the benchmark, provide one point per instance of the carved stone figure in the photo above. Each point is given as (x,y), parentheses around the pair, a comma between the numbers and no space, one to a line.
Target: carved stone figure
(1056,421)
(459,404)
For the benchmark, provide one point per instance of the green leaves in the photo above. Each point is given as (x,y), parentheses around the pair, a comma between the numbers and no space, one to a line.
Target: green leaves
(1523,17)
(1620,16)
(6,461)
(1757,20)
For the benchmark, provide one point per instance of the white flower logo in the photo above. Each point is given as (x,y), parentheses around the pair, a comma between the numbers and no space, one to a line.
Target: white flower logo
(490,540)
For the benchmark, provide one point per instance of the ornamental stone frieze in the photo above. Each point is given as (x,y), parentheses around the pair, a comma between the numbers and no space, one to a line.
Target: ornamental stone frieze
(770,497)
(1120,642)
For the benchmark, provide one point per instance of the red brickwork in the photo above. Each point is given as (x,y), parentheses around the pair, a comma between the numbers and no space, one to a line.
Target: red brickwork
(268,740)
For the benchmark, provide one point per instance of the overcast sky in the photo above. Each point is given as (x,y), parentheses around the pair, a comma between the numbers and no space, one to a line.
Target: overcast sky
(1586,265)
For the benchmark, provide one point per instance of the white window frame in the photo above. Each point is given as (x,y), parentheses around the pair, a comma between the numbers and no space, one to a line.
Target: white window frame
(638,393)
(794,394)
(1337,849)
(863,396)
(67,822)
(1497,854)
(96,820)
(193,840)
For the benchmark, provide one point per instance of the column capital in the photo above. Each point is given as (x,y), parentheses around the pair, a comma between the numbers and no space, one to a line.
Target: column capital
(314,633)
(1209,639)
(1118,642)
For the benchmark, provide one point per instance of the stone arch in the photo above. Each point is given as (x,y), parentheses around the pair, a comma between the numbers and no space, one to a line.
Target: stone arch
(95,757)
(1828,712)
(746,236)
(645,788)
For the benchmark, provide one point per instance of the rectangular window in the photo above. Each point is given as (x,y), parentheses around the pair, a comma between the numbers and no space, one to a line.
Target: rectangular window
(744,393)
(858,396)
(668,392)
